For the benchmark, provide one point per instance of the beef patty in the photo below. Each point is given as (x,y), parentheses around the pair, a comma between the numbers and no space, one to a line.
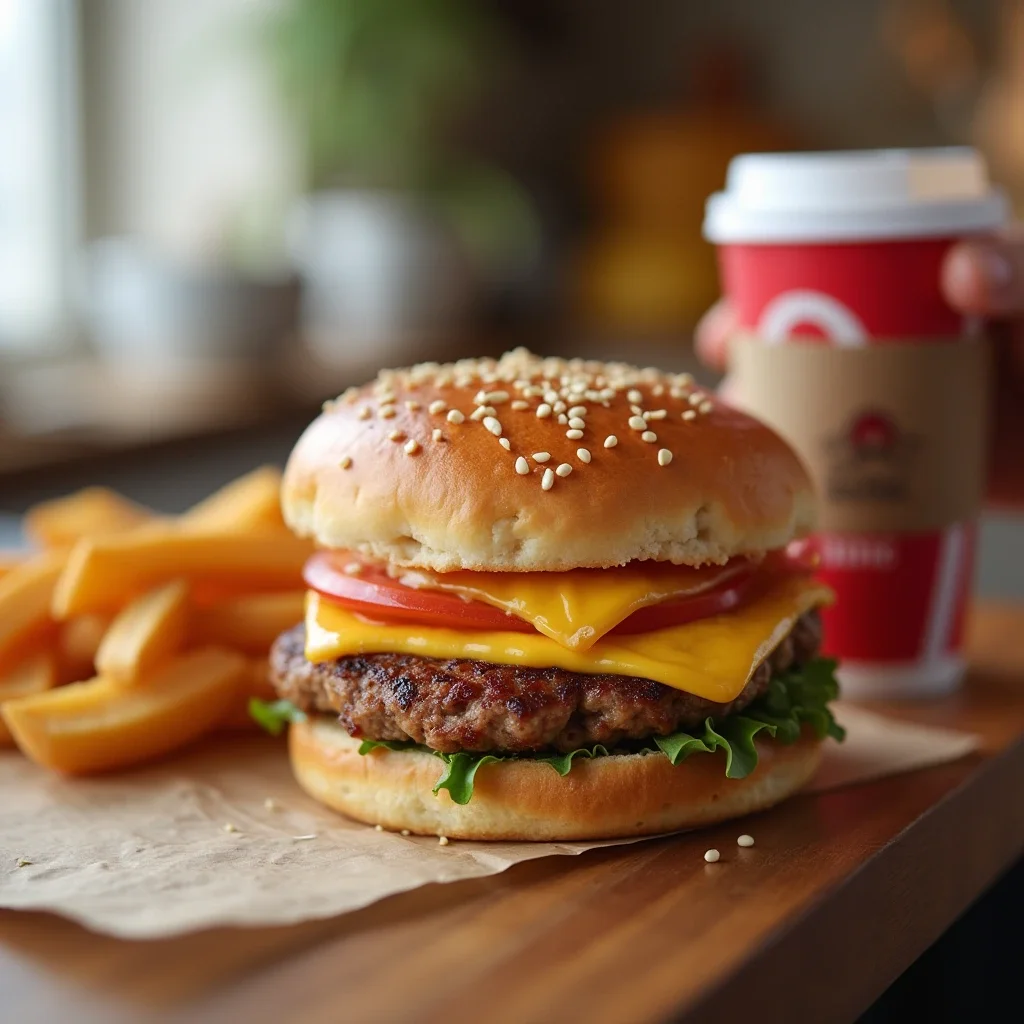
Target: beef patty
(477,706)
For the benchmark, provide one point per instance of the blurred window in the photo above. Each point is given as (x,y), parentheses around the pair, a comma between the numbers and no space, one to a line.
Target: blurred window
(38,172)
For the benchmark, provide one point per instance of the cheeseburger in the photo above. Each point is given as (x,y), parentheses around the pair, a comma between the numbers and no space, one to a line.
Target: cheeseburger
(553,600)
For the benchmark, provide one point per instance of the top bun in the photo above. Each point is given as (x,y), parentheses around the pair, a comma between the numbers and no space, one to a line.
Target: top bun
(481,464)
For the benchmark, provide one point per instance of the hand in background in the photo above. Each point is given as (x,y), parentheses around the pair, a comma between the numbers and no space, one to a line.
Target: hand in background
(981,278)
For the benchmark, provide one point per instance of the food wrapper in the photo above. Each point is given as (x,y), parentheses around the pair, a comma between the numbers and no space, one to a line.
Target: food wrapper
(222,835)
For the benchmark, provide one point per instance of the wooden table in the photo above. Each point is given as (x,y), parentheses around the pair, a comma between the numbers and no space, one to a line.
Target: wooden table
(865,877)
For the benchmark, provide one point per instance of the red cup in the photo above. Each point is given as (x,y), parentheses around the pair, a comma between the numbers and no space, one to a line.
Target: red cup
(832,262)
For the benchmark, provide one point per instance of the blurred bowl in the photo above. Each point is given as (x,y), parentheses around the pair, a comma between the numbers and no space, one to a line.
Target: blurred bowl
(140,306)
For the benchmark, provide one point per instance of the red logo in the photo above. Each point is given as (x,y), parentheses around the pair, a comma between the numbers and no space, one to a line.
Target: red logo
(870,459)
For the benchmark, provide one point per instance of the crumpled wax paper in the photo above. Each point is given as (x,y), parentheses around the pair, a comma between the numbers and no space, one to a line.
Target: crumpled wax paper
(222,835)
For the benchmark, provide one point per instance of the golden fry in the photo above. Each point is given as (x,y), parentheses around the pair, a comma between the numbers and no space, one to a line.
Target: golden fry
(254,682)
(249,624)
(78,640)
(252,502)
(86,513)
(100,725)
(25,597)
(35,674)
(103,574)
(144,633)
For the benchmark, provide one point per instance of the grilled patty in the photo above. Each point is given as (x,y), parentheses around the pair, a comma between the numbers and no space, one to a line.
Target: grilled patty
(477,706)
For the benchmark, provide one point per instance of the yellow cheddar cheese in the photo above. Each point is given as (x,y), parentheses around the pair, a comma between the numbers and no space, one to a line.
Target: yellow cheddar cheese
(577,608)
(711,658)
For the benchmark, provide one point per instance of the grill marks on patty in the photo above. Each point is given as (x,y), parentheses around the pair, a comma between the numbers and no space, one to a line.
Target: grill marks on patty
(456,704)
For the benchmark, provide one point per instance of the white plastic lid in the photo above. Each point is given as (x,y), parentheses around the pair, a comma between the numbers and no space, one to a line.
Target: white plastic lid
(848,196)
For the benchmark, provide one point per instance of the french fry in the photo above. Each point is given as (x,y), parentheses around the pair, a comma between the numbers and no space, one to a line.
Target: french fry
(249,624)
(100,725)
(252,502)
(254,682)
(35,674)
(78,640)
(86,513)
(26,593)
(103,574)
(145,633)
(10,560)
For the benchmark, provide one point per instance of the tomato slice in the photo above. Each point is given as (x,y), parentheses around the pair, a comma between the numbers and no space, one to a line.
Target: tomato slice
(374,594)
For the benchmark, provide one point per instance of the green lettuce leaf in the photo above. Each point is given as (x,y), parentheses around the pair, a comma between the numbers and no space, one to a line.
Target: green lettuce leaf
(793,699)
(274,715)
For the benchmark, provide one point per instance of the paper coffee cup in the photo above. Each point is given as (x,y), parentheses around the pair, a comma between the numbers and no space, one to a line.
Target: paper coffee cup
(847,348)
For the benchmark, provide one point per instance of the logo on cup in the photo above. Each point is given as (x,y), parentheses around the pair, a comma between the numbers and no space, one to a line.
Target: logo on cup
(870,459)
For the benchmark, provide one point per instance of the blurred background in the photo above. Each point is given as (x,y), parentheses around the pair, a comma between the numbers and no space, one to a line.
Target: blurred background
(214,214)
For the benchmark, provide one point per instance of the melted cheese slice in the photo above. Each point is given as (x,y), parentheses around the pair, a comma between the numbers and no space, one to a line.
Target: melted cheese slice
(576,608)
(711,658)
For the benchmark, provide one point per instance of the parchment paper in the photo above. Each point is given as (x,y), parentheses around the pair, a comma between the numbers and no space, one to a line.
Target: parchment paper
(221,835)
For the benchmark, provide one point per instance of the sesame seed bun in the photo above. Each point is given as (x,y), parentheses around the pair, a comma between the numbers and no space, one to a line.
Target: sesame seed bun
(606,798)
(443,467)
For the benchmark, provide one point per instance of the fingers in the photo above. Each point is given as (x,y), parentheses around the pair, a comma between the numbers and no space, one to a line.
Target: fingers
(711,338)
(986,276)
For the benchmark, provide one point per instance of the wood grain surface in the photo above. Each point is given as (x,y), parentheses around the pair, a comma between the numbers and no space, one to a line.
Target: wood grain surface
(841,892)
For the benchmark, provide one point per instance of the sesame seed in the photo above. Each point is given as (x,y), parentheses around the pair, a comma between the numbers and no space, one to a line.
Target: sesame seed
(705,407)
(574,435)
(745,840)
(649,436)
(492,425)
(564,469)
(519,405)
(578,410)
(543,411)
(582,454)
(634,395)
(228,827)
(712,856)
(522,466)
(551,397)
(346,462)
(270,804)
(505,443)
(664,457)
(563,420)
(378,828)
(690,414)
(541,456)
(576,423)
(496,397)
(24,862)
(386,412)
(658,389)
(559,407)
(436,434)
(481,411)
(353,568)
(312,835)
(696,398)
(547,481)
(637,422)
(364,413)
(676,393)
(437,406)
(406,832)
(456,417)
(412,446)
(442,840)
(611,441)
(636,410)
(396,435)
(386,396)
(412,405)
(655,414)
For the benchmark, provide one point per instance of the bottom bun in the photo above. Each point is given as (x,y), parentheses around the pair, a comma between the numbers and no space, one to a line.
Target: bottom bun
(604,798)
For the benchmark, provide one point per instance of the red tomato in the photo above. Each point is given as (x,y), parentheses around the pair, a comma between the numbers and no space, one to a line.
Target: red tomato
(376,595)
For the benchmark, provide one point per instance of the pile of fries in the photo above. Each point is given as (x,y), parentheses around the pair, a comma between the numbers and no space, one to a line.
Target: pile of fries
(127,635)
